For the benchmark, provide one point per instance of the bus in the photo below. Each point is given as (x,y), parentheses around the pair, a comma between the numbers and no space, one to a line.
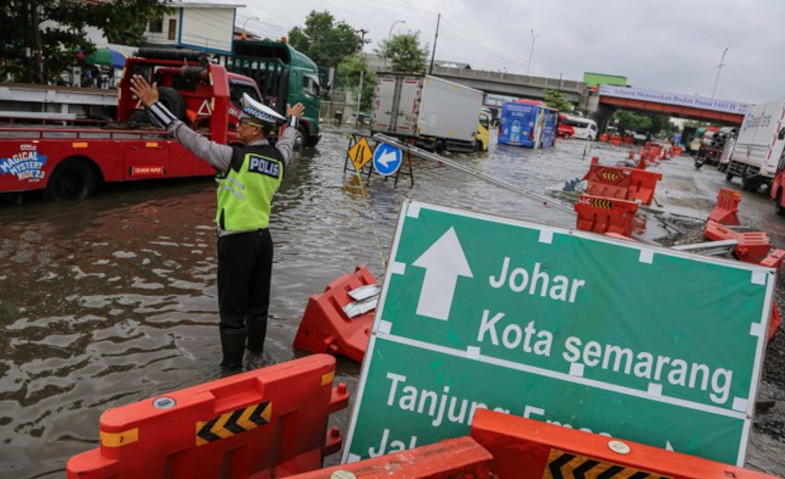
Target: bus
(583,128)
(527,123)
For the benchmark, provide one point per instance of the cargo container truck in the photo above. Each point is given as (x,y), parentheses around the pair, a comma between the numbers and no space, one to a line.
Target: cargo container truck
(759,145)
(432,113)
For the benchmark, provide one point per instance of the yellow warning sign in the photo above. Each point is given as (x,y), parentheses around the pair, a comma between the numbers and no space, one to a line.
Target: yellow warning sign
(232,423)
(360,153)
(563,465)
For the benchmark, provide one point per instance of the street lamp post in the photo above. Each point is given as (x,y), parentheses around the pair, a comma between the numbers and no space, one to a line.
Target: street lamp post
(531,51)
(244,34)
(719,69)
(389,37)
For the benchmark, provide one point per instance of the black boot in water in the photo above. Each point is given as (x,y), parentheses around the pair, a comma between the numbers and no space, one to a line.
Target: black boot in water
(233,346)
(257,329)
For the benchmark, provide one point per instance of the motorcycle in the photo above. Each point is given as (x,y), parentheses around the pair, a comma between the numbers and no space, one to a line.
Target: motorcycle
(700,159)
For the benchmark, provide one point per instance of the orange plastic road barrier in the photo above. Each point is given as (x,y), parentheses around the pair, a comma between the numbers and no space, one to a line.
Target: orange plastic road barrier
(774,259)
(325,328)
(608,181)
(615,141)
(642,185)
(605,215)
(528,449)
(459,458)
(753,247)
(727,207)
(775,321)
(604,137)
(271,422)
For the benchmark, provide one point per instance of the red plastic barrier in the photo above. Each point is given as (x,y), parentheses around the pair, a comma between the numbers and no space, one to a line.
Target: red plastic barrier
(325,328)
(775,321)
(608,181)
(270,422)
(605,215)
(726,208)
(642,185)
(527,449)
(459,458)
(774,260)
(753,247)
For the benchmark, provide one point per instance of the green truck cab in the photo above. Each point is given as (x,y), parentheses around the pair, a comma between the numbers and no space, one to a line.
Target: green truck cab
(284,75)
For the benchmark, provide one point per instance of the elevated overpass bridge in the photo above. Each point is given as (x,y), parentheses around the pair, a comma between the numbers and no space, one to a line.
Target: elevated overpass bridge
(510,84)
(602,103)
(693,107)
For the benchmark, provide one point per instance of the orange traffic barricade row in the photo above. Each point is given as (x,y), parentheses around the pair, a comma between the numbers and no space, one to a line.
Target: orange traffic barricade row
(528,449)
(270,422)
(326,328)
(459,458)
(727,207)
(605,215)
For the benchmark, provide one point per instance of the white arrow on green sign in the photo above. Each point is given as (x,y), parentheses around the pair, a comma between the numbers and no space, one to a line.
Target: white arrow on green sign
(620,338)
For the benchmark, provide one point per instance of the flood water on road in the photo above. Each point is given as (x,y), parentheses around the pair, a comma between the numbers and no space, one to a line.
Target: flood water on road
(110,300)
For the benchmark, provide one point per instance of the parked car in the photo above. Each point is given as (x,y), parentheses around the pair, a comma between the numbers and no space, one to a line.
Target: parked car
(565,130)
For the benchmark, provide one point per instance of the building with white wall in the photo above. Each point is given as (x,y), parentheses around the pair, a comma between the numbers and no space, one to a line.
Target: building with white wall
(202,26)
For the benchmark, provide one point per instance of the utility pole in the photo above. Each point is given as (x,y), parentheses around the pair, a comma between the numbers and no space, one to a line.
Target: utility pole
(435,38)
(362,33)
(719,69)
(531,51)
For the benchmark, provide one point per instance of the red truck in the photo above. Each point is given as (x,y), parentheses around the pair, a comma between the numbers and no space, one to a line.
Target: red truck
(70,162)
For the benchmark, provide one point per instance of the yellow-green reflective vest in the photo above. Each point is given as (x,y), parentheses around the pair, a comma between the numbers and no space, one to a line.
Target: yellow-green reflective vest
(246,191)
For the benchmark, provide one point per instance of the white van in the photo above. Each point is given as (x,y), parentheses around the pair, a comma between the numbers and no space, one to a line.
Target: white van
(584,128)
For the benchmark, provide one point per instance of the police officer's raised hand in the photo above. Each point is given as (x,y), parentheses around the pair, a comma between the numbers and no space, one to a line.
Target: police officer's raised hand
(296,110)
(146,92)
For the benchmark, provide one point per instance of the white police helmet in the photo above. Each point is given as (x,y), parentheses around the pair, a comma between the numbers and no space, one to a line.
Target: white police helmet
(259,114)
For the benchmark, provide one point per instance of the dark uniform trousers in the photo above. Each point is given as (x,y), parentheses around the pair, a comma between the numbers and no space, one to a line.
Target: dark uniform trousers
(245,262)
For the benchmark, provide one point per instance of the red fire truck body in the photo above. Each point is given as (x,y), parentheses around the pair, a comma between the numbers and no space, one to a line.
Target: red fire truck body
(69,162)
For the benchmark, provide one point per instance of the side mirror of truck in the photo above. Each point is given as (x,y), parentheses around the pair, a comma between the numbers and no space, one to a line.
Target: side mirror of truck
(781,134)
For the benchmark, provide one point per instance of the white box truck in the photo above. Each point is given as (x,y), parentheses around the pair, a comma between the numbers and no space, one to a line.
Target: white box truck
(759,145)
(432,113)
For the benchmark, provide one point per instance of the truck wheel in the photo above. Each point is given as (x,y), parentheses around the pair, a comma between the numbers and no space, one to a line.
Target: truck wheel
(729,176)
(438,146)
(301,140)
(71,180)
(747,183)
(778,208)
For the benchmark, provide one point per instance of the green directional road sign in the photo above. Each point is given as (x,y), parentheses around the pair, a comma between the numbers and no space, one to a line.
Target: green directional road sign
(615,337)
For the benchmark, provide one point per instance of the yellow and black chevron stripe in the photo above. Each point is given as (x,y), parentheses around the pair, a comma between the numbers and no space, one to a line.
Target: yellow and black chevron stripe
(563,465)
(601,203)
(232,423)
(610,175)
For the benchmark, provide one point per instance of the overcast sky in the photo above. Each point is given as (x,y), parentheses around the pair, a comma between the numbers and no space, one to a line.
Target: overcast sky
(665,45)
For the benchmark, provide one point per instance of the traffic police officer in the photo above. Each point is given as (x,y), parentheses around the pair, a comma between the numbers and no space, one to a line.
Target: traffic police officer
(248,176)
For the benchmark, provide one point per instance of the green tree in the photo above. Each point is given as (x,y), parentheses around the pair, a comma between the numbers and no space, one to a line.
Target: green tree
(553,99)
(404,52)
(51,30)
(349,78)
(324,40)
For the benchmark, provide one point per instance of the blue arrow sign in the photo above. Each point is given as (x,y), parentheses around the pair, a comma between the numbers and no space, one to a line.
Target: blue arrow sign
(387,159)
